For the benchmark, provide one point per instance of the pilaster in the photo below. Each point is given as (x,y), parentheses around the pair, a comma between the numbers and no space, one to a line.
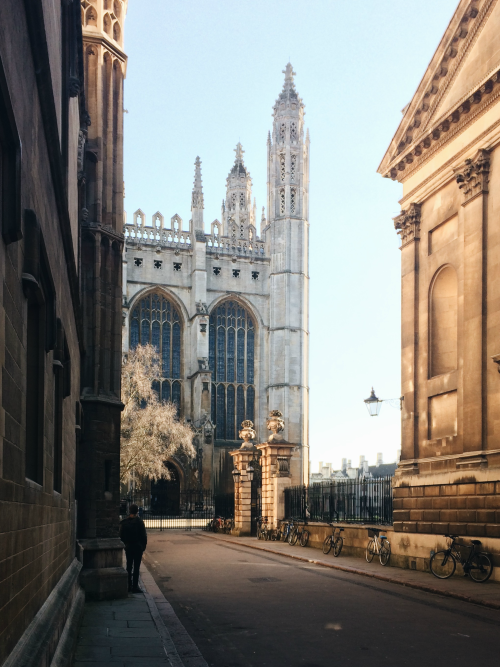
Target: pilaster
(407,225)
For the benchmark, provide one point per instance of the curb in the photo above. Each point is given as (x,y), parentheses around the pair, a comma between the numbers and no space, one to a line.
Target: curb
(372,575)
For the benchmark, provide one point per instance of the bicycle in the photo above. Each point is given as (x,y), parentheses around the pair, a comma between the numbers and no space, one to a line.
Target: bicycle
(216,524)
(378,546)
(477,565)
(263,532)
(299,534)
(228,526)
(334,541)
(285,530)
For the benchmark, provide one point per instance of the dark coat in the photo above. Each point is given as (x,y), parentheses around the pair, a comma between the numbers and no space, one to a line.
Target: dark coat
(133,532)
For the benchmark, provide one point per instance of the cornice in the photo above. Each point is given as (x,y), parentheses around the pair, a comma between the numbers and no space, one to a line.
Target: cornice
(101,40)
(445,129)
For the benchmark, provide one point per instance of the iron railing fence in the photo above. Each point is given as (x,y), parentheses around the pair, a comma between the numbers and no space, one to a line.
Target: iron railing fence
(350,501)
(191,509)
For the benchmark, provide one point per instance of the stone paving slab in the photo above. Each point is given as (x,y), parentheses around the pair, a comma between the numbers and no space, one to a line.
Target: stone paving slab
(460,588)
(133,632)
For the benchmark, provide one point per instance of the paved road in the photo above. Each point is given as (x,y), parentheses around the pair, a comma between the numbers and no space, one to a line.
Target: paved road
(249,609)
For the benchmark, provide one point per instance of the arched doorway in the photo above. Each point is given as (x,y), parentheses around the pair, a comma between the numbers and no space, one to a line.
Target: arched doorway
(166,493)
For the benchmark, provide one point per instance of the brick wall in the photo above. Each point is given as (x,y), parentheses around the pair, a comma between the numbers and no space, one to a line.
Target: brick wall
(467,508)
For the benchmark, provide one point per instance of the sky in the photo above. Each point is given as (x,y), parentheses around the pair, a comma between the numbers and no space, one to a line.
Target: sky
(204,74)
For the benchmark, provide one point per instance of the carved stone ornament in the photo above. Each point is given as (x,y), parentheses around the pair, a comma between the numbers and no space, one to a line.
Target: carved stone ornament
(407,224)
(247,433)
(472,177)
(203,364)
(276,424)
(74,86)
(201,308)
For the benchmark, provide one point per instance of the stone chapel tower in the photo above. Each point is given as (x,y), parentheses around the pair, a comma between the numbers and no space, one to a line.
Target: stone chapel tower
(288,232)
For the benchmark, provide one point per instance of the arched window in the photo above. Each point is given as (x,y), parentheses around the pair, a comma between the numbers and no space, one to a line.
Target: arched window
(231,360)
(443,322)
(157,321)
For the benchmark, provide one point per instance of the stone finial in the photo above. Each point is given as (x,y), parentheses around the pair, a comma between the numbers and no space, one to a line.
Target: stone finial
(276,424)
(197,195)
(247,433)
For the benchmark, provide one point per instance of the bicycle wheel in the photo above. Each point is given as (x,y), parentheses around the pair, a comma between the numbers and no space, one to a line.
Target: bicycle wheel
(337,547)
(480,568)
(304,538)
(267,535)
(385,552)
(370,550)
(294,536)
(327,544)
(259,533)
(443,564)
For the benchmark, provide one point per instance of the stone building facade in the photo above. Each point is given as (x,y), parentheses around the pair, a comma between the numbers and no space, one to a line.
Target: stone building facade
(228,309)
(446,155)
(59,475)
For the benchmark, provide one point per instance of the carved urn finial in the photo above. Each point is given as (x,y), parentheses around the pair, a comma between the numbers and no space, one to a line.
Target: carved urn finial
(276,424)
(247,433)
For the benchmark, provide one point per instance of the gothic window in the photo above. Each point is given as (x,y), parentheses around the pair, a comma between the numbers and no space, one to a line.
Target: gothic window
(236,273)
(293,195)
(231,360)
(116,31)
(282,132)
(293,131)
(157,321)
(293,167)
(233,201)
(91,17)
(255,275)
(216,270)
(242,200)
(282,167)
(138,261)
(158,263)
(242,231)
(107,24)
(282,201)
(177,266)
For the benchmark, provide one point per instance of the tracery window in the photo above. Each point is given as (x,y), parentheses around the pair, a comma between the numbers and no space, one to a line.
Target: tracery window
(231,360)
(157,321)
(242,200)
(233,201)
(282,167)
(293,131)
(293,167)
(293,195)
(282,201)
(282,132)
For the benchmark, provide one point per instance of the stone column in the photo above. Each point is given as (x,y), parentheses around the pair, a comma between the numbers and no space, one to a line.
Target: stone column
(243,487)
(408,226)
(472,179)
(276,476)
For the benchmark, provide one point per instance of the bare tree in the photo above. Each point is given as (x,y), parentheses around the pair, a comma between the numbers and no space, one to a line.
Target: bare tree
(150,429)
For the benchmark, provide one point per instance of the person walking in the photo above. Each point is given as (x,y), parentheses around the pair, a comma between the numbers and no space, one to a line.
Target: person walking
(134,537)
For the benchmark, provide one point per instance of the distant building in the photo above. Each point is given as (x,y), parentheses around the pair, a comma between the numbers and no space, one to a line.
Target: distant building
(348,471)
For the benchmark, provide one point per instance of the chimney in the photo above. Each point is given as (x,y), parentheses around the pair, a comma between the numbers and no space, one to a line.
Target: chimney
(320,469)
(361,460)
(365,466)
(380,459)
(344,464)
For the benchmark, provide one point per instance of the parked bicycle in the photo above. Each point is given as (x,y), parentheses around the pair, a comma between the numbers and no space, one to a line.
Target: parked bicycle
(477,564)
(299,534)
(334,541)
(228,526)
(285,529)
(263,532)
(379,546)
(216,524)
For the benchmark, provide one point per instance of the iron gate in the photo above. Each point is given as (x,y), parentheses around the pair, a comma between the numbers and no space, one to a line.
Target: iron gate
(256,496)
(189,510)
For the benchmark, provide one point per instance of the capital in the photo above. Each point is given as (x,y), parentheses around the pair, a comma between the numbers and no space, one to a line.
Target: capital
(472,176)
(407,224)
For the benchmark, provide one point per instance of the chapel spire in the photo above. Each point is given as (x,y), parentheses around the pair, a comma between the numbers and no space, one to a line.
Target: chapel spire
(197,205)
(239,212)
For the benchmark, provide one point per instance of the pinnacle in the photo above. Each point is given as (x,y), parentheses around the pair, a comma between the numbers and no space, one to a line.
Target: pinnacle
(197,172)
(239,153)
(289,74)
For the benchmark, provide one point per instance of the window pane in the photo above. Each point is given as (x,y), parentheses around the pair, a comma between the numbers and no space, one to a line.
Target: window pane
(176,351)
(145,339)
(165,391)
(250,346)
(155,335)
(230,413)
(156,388)
(134,334)
(240,407)
(241,356)
(230,355)
(165,350)
(221,412)
(251,404)
(221,354)
(213,397)
(176,395)
(211,345)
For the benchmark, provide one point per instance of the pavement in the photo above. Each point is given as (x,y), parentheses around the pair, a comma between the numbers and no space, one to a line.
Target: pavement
(250,604)
(142,629)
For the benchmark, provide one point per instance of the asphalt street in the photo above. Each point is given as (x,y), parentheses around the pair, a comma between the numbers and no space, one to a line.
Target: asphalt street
(249,609)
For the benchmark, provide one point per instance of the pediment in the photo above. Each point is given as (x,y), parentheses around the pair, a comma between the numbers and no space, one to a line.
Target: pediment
(461,74)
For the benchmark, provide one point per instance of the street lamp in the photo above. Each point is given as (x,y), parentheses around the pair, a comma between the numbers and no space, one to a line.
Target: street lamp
(374,403)
(236,475)
(250,472)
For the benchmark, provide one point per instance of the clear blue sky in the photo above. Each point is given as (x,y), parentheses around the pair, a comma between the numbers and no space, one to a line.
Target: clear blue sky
(204,74)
